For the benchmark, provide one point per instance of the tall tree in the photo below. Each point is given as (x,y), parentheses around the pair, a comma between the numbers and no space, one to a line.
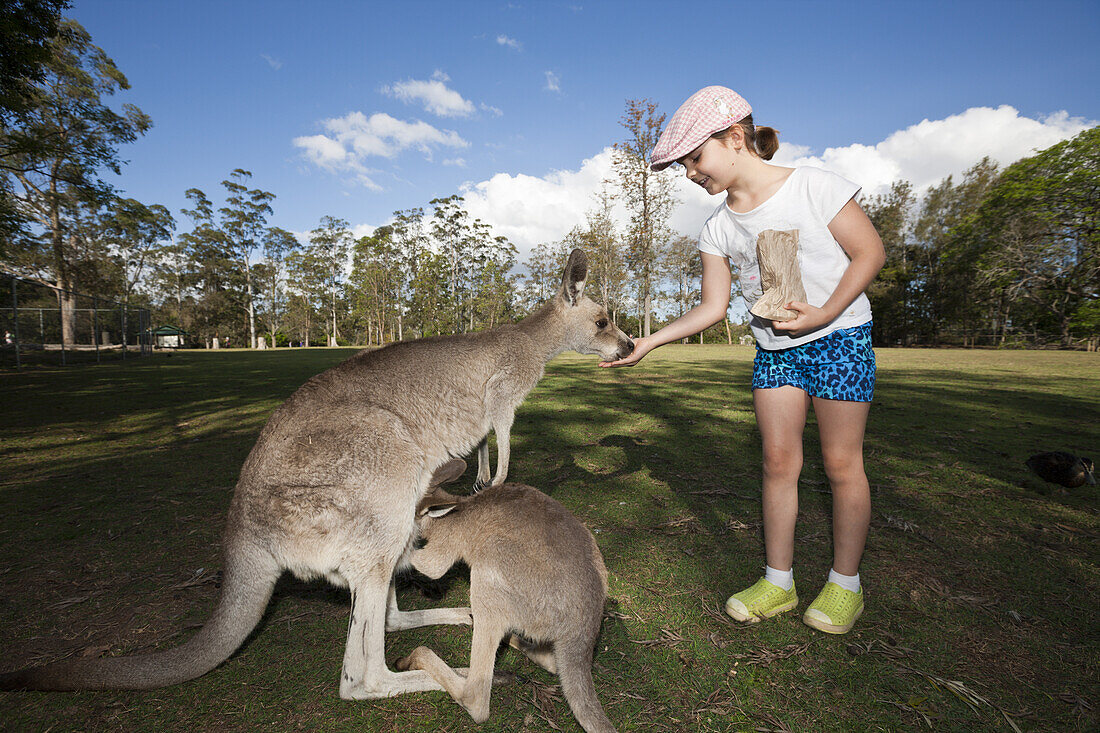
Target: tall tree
(891,291)
(544,265)
(80,137)
(948,295)
(430,308)
(494,285)
(134,233)
(409,240)
(683,266)
(278,244)
(329,245)
(648,197)
(244,221)
(606,261)
(1038,232)
(213,274)
(373,284)
(451,232)
(27,28)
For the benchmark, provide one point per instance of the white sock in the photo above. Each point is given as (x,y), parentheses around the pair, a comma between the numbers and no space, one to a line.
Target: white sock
(783,578)
(847,582)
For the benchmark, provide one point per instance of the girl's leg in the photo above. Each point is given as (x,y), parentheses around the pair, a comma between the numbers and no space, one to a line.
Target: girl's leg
(841,424)
(781,416)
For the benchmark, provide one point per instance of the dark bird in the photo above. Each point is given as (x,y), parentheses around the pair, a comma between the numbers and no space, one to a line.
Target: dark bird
(1062,468)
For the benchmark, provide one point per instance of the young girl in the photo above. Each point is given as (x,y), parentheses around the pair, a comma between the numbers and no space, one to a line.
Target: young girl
(822,355)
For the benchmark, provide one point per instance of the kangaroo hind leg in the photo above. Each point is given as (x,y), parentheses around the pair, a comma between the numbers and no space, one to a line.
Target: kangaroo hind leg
(474,690)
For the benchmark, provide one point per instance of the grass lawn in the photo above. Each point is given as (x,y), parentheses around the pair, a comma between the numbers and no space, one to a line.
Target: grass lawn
(115,481)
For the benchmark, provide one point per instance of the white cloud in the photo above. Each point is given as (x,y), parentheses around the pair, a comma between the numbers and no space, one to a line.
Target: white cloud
(509,42)
(930,150)
(457,162)
(494,111)
(353,138)
(272,62)
(362,230)
(553,83)
(434,94)
(530,210)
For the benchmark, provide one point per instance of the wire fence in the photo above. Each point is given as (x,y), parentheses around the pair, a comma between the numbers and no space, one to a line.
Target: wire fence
(42,324)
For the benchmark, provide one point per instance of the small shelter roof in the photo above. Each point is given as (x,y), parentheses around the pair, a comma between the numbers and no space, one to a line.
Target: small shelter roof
(169,331)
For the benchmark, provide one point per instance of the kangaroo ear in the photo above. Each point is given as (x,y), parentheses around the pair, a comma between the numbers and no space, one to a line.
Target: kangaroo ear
(438,511)
(449,472)
(572,279)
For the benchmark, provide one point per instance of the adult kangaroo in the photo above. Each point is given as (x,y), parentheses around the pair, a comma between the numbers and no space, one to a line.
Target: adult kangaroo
(331,487)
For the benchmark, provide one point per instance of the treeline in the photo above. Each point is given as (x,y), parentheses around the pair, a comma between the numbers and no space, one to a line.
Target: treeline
(996,258)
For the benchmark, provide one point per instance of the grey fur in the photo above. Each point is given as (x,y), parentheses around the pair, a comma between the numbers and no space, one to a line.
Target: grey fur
(536,576)
(331,487)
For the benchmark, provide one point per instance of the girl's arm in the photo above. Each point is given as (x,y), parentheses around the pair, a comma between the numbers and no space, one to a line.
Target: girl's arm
(716,300)
(857,236)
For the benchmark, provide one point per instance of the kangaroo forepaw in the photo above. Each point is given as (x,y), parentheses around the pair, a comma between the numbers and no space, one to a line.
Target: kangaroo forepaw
(481,483)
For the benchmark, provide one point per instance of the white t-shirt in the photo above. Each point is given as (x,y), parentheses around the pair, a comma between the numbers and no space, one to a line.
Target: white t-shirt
(806,202)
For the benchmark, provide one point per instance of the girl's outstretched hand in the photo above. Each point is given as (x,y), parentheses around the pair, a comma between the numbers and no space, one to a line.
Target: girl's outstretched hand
(641,348)
(809,318)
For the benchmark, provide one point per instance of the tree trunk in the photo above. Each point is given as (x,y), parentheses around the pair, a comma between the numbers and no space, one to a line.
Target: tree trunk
(648,306)
(251,310)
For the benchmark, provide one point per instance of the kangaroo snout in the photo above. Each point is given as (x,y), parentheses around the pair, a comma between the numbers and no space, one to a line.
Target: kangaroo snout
(626,349)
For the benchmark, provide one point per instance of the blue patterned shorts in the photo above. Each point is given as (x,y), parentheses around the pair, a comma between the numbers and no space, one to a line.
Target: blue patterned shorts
(838,366)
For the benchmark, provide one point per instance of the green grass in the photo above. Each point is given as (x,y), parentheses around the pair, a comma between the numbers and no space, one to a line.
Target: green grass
(979,579)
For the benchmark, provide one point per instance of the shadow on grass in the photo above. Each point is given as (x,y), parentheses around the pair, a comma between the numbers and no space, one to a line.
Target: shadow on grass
(117,479)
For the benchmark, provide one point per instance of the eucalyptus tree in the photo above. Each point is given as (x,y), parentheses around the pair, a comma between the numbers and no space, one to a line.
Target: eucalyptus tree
(244,222)
(607,269)
(648,198)
(212,273)
(430,307)
(544,265)
(173,276)
(59,145)
(27,31)
(451,232)
(278,244)
(683,268)
(409,240)
(306,291)
(891,292)
(373,284)
(1037,233)
(329,244)
(493,282)
(134,234)
(949,297)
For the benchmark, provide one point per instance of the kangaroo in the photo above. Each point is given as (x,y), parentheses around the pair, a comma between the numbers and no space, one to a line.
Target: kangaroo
(536,576)
(331,487)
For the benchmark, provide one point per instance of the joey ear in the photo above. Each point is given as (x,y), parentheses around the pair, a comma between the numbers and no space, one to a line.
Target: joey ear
(438,511)
(449,472)
(572,279)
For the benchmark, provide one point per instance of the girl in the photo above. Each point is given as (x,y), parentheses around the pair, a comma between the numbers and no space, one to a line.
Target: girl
(822,355)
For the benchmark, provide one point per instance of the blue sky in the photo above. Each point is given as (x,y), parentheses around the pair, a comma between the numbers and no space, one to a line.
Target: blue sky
(515,103)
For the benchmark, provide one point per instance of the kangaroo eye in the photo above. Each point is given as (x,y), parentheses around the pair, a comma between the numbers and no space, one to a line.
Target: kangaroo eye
(602,323)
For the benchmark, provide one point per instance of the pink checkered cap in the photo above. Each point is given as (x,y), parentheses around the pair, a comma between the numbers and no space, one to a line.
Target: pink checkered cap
(704,113)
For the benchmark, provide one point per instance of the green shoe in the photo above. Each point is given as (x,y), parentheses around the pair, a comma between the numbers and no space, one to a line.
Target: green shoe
(835,609)
(760,601)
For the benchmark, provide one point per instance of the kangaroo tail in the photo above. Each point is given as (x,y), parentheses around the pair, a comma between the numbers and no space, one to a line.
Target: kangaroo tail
(249,578)
(575,672)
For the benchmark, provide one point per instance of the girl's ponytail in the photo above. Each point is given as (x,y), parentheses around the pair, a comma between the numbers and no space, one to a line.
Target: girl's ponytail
(763,141)
(766,141)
